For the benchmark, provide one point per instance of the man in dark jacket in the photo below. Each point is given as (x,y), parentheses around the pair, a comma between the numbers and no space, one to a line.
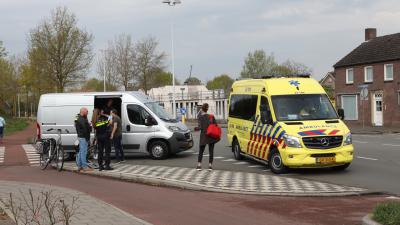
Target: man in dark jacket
(103,134)
(83,130)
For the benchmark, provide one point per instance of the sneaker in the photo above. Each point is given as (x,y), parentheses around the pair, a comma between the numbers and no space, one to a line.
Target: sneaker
(108,168)
(118,162)
(101,168)
(198,168)
(210,168)
(122,161)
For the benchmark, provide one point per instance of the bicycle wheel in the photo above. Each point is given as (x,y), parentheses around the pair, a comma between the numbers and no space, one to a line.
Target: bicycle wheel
(59,158)
(45,159)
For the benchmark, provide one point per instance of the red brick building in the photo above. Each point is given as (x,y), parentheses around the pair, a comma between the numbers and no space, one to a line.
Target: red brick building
(375,63)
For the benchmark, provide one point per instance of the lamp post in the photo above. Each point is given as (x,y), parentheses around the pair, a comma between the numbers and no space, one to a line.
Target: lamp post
(172,3)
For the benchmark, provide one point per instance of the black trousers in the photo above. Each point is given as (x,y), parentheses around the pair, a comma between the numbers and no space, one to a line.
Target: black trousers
(210,150)
(104,148)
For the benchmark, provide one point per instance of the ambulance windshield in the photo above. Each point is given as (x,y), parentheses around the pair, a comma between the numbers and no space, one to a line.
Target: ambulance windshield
(303,107)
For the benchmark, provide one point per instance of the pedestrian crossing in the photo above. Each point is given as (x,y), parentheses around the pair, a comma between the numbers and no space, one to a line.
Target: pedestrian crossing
(2,150)
(33,157)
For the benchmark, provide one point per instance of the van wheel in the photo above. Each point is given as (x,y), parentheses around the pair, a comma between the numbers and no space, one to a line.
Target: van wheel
(237,152)
(341,167)
(275,162)
(158,150)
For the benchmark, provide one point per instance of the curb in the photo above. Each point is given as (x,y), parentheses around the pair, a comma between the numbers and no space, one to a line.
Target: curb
(197,187)
(367,220)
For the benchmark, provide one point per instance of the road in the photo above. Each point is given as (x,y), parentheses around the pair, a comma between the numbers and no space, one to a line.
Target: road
(376,165)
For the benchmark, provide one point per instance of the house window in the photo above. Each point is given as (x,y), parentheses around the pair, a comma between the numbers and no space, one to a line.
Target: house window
(349,76)
(388,72)
(368,74)
(350,107)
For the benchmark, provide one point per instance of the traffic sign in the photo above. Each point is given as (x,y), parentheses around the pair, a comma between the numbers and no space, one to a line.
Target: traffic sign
(361,86)
(364,94)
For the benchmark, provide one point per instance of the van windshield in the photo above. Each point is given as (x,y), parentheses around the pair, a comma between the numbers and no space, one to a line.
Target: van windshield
(303,107)
(159,111)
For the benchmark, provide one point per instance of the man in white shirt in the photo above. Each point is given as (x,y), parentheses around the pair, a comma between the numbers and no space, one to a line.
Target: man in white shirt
(2,124)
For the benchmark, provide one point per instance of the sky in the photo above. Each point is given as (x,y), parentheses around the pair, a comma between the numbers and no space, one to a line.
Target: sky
(216,35)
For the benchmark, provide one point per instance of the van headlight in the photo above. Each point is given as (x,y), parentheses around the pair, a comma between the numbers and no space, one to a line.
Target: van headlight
(348,140)
(174,129)
(292,141)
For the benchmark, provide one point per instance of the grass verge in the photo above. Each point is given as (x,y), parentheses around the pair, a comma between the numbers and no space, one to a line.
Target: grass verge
(387,213)
(15,124)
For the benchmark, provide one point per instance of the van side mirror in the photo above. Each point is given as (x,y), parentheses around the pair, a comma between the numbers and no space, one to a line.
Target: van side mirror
(149,121)
(265,114)
(341,113)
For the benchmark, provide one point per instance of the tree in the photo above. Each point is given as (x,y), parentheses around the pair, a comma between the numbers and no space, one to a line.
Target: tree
(192,81)
(148,61)
(296,68)
(160,78)
(95,85)
(3,51)
(221,82)
(60,50)
(257,64)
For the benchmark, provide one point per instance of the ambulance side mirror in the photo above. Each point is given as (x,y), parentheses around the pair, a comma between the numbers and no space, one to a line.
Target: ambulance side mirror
(341,113)
(265,114)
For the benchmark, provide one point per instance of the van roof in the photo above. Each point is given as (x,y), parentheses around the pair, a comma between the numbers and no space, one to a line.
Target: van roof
(279,86)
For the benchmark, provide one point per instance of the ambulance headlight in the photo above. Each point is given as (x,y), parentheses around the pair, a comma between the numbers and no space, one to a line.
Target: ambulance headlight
(292,141)
(348,140)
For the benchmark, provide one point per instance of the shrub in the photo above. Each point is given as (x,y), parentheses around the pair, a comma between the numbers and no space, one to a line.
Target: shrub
(387,213)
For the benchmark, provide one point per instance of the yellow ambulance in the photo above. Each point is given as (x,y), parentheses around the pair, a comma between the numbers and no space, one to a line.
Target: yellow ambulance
(288,122)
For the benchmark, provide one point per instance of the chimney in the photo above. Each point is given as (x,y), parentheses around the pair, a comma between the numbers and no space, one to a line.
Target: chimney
(370,33)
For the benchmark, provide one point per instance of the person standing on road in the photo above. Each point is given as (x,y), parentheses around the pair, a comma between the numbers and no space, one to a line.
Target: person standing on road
(2,125)
(116,136)
(103,135)
(203,123)
(83,129)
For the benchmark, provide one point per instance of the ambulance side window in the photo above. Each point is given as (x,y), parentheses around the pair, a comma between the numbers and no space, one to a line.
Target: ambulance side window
(243,107)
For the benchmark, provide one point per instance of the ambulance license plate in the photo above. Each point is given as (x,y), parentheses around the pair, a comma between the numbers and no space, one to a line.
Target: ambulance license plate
(326,160)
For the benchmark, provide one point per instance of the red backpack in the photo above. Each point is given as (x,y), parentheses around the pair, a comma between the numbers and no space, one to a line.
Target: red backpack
(213,130)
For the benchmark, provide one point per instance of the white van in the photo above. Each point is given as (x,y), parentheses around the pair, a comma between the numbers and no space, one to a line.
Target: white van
(146,126)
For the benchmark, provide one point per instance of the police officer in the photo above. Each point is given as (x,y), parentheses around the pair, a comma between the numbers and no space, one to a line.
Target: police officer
(103,134)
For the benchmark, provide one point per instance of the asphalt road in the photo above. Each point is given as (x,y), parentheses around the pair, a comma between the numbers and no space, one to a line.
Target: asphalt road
(376,165)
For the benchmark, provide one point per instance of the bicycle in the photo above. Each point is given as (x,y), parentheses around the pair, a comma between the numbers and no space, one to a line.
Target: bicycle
(52,150)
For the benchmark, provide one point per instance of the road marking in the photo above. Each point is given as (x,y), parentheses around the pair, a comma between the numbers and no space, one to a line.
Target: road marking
(360,157)
(33,157)
(1,154)
(241,163)
(229,160)
(266,170)
(361,142)
(256,166)
(391,145)
(393,197)
(219,157)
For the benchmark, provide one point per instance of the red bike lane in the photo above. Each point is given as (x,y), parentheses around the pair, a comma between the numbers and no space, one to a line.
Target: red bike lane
(160,205)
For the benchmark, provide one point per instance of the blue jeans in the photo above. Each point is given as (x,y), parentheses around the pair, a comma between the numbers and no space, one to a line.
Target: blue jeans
(119,152)
(81,161)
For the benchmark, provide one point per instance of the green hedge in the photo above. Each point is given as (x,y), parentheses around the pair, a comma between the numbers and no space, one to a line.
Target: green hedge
(15,124)
(387,213)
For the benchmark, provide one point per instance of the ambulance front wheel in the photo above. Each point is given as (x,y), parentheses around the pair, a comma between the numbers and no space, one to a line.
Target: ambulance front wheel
(276,163)
(237,152)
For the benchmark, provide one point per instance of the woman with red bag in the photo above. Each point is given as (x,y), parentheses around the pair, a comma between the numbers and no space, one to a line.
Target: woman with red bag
(207,136)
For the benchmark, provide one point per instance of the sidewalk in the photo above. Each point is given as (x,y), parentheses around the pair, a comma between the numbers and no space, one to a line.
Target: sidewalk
(90,210)
(222,181)
(359,129)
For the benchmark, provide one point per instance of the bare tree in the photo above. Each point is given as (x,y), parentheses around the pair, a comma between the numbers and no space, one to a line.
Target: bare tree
(148,61)
(106,68)
(63,50)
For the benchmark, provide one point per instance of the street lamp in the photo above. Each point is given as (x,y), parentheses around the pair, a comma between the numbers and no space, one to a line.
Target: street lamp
(172,3)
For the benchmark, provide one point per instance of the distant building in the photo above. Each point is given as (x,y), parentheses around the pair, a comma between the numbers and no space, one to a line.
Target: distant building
(328,80)
(191,97)
(374,64)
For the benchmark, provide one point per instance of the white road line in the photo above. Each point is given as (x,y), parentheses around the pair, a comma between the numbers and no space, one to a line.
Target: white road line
(33,157)
(229,160)
(361,142)
(256,166)
(2,154)
(391,145)
(219,157)
(241,163)
(360,157)
(265,170)
(393,197)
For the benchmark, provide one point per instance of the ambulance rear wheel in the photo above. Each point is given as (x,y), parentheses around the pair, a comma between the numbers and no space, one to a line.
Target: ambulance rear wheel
(237,152)
(276,163)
